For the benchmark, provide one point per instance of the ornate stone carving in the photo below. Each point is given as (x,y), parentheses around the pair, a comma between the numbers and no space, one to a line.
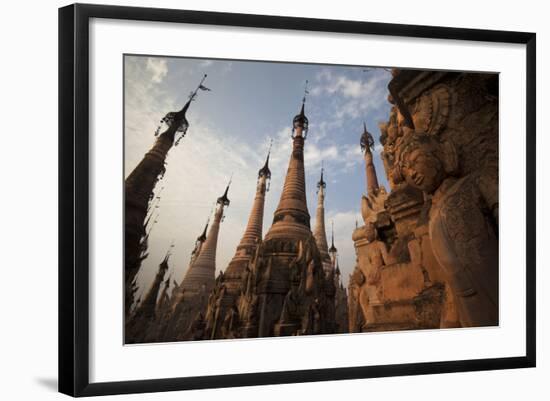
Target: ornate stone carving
(376,256)
(431,110)
(463,224)
(372,205)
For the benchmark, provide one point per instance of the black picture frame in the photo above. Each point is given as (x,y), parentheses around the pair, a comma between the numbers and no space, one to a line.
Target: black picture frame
(74,198)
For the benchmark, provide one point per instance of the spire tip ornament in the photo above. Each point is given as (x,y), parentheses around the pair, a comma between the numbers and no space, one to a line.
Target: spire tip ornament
(367,141)
(300,120)
(176,121)
(224,200)
(332,248)
(265,171)
(321,183)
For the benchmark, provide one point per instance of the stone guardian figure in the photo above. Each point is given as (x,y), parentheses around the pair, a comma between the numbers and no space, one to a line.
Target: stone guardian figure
(463,223)
(377,256)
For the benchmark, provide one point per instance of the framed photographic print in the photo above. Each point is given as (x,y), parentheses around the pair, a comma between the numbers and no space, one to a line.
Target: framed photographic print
(277,199)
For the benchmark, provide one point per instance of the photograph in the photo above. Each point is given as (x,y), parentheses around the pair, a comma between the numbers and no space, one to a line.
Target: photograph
(277,199)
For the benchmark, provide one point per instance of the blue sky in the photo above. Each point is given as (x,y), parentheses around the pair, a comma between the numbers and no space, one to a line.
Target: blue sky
(250,104)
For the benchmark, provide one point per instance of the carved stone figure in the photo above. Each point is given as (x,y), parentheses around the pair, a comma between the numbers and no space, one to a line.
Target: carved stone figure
(463,223)
(377,256)
(355,314)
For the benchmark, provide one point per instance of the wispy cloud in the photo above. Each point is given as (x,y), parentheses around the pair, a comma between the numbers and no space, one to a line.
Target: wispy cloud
(158,68)
(206,63)
(353,97)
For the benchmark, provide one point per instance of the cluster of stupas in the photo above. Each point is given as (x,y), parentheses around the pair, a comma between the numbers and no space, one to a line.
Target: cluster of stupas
(286,283)
(426,255)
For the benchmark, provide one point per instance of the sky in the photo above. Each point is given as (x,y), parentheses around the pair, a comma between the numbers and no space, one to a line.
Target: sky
(230,128)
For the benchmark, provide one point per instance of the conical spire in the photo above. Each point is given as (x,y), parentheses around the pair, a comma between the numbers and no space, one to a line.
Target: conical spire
(140,184)
(253,232)
(148,305)
(199,243)
(139,325)
(367,144)
(292,213)
(332,250)
(202,271)
(319,232)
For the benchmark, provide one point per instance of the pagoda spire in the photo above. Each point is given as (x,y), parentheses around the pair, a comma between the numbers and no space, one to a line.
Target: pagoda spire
(202,271)
(253,232)
(199,242)
(292,214)
(139,324)
(367,145)
(141,182)
(337,273)
(332,250)
(150,300)
(319,232)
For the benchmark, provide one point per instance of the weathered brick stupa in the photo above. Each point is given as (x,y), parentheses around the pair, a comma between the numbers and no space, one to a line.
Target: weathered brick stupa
(139,187)
(190,298)
(202,273)
(285,289)
(222,312)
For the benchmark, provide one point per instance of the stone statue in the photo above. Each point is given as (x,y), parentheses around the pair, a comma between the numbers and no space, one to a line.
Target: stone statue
(377,256)
(463,222)
(356,318)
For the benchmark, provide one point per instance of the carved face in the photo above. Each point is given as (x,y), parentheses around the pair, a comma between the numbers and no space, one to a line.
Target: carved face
(422,169)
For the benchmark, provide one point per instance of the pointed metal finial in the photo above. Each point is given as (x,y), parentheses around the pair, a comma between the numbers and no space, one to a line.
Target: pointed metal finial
(332,248)
(200,86)
(300,120)
(224,200)
(321,183)
(265,171)
(306,92)
(367,141)
(177,121)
